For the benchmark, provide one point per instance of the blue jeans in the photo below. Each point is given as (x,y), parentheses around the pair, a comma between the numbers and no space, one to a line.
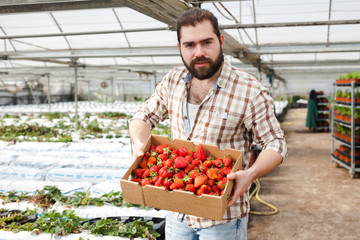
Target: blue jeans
(177,229)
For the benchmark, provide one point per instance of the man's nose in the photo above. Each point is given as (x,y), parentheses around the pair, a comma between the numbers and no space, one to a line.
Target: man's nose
(199,51)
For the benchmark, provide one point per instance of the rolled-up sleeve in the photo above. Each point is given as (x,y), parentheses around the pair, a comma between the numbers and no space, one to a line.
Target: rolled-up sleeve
(154,109)
(261,119)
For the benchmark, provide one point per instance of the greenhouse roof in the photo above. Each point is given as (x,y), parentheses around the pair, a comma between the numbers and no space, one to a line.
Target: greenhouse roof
(304,44)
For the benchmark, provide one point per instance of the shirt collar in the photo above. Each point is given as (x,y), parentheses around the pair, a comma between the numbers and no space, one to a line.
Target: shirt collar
(223,77)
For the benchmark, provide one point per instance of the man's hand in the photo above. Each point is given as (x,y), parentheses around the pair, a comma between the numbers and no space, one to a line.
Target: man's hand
(243,180)
(139,150)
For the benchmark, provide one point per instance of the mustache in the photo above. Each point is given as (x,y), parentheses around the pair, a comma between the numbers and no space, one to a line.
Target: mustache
(199,59)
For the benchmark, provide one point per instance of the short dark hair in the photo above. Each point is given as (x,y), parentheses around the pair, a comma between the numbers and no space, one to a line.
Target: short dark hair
(194,16)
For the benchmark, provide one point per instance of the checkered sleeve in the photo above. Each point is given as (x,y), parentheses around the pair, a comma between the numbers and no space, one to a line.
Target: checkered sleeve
(261,119)
(155,108)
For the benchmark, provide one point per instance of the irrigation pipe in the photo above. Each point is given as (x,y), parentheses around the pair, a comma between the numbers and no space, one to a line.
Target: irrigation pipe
(256,193)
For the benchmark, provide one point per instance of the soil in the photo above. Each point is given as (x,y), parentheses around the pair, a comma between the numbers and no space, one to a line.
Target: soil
(315,199)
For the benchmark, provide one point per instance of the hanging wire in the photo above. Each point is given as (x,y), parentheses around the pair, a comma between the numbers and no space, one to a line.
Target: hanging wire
(233,18)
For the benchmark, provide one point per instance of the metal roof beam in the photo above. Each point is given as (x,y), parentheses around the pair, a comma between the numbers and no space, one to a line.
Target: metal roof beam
(290,24)
(26,6)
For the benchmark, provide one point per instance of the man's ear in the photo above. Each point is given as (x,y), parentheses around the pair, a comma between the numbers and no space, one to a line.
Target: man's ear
(222,41)
(178,45)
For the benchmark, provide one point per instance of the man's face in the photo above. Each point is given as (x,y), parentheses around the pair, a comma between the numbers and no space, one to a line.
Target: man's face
(201,50)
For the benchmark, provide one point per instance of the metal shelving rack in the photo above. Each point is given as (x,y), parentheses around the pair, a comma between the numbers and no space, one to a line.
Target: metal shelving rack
(327,111)
(353,169)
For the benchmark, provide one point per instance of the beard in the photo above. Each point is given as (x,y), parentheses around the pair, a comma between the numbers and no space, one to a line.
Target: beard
(204,72)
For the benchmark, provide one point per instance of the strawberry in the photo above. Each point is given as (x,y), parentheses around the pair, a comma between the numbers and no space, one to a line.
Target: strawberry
(163,157)
(189,158)
(212,173)
(216,190)
(164,173)
(154,179)
(146,173)
(227,161)
(143,163)
(138,172)
(180,174)
(167,183)
(189,168)
(159,182)
(161,148)
(211,182)
(207,163)
(168,163)
(178,183)
(194,173)
(200,180)
(136,180)
(203,168)
(183,152)
(145,181)
(204,189)
(222,184)
(225,170)
(190,187)
(155,168)
(217,163)
(200,153)
(151,161)
(195,162)
(180,162)
(187,180)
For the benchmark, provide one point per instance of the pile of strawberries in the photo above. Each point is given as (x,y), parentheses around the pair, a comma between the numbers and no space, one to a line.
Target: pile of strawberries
(183,170)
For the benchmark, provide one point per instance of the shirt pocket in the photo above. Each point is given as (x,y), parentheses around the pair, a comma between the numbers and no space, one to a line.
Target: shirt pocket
(222,124)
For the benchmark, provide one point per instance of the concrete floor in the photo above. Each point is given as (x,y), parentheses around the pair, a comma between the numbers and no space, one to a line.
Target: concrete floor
(315,199)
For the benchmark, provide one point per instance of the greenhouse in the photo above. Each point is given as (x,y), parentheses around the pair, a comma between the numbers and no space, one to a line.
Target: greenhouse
(77,75)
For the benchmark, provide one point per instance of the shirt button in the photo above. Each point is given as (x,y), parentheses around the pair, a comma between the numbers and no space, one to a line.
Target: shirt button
(185,117)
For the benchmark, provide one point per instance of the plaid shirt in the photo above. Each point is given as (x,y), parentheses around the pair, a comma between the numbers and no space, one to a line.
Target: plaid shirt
(235,113)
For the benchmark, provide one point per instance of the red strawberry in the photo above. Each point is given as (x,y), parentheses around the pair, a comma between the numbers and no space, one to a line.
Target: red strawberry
(216,190)
(180,162)
(207,163)
(168,163)
(194,173)
(189,168)
(178,183)
(190,187)
(159,182)
(222,184)
(145,181)
(217,163)
(136,180)
(183,152)
(189,158)
(195,162)
(167,183)
(155,168)
(212,173)
(200,180)
(187,180)
(227,161)
(139,172)
(146,173)
(200,153)
(143,164)
(204,189)
(160,148)
(151,161)
(164,173)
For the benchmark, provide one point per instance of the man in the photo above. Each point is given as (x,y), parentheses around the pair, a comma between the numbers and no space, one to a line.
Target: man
(211,102)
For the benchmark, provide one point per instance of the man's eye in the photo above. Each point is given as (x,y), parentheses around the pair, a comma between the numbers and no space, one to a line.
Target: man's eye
(190,45)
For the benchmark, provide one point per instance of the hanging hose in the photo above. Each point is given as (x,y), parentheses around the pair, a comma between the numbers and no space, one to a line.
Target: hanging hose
(256,192)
